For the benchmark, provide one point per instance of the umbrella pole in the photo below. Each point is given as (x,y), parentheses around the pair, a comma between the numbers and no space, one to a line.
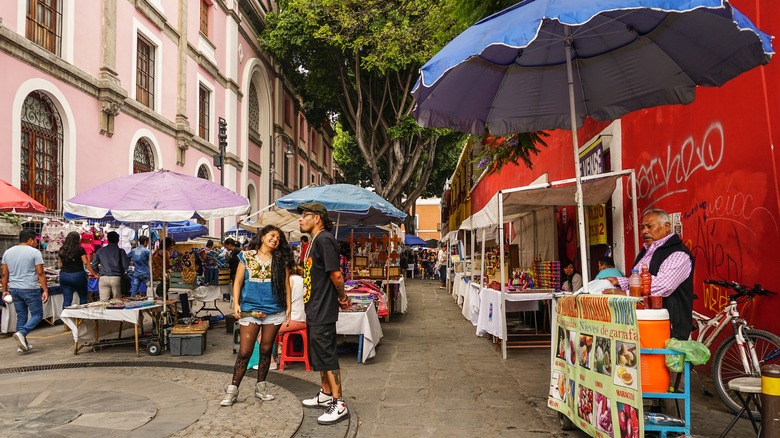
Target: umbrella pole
(164,256)
(575,143)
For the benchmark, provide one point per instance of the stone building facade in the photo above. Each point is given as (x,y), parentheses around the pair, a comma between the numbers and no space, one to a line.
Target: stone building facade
(98,89)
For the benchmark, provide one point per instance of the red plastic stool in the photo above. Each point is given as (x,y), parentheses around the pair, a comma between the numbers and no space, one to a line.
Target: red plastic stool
(287,354)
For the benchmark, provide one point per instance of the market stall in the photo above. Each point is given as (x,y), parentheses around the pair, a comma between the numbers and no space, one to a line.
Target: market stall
(355,206)
(507,206)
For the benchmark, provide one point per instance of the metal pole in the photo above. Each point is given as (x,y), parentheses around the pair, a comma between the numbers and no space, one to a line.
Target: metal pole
(222,183)
(502,280)
(578,198)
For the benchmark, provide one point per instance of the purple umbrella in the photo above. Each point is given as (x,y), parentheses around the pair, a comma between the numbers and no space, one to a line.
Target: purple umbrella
(157,196)
(162,195)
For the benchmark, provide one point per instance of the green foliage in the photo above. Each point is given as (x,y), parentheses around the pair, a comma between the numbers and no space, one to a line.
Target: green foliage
(356,62)
(511,149)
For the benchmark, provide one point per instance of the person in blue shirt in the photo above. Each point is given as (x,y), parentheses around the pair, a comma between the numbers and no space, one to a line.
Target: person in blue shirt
(607,268)
(140,257)
(261,302)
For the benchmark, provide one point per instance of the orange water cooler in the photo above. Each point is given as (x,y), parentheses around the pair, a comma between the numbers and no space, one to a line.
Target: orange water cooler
(654,330)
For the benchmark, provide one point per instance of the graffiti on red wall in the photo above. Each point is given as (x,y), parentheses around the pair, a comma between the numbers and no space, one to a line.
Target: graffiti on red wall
(670,171)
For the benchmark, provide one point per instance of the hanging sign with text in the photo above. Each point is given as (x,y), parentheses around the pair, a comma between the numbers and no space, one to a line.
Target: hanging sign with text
(595,372)
(597,224)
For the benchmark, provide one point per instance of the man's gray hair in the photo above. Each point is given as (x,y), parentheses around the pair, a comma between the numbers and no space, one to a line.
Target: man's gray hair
(663,216)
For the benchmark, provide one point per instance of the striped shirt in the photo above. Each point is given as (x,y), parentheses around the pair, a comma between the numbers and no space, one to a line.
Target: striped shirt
(672,272)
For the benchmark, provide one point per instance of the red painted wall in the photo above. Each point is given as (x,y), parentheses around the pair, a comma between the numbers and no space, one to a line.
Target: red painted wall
(714,162)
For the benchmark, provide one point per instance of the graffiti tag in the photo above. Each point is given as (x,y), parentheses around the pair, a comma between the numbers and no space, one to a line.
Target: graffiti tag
(678,166)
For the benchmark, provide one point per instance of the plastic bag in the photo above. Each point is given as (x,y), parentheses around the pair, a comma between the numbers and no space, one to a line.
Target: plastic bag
(695,352)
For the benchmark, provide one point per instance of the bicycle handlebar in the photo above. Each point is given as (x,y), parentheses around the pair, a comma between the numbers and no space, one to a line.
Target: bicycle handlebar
(741,289)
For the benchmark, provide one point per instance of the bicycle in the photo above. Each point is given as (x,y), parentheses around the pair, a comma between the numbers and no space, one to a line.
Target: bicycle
(741,354)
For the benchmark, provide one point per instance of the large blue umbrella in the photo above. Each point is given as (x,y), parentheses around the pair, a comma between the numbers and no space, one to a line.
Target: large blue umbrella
(412,240)
(347,203)
(548,64)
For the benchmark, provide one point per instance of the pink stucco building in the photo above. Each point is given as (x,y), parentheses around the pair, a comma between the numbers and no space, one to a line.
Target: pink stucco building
(100,89)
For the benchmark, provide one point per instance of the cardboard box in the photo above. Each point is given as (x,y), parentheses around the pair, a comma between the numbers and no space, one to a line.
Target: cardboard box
(187,345)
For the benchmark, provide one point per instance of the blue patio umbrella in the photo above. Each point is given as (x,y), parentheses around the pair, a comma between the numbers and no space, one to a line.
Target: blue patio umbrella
(348,204)
(548,64)
(184,231)
(412,240)
(238,231)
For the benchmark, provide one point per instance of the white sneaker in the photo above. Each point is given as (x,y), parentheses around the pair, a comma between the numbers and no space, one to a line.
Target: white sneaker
(261,391)
(231,396)
(21,340)
(336,412)
(273,366)
(29,348)
(319,400)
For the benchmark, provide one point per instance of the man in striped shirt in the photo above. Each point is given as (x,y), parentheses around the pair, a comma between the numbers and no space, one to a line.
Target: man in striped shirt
(671,265)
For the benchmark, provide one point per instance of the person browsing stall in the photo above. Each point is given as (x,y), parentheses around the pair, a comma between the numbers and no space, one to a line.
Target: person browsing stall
(323,295)
(671,265)
(73,259)
(25,281)
(261,303)
(607,268)
(111,263)
(140,257)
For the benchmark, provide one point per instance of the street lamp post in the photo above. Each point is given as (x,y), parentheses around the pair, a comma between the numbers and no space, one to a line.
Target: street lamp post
(219,162)
(288,153)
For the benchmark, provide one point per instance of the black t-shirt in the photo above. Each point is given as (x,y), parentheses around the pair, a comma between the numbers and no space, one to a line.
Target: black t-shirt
(75,264)
(233,262)
(321,299)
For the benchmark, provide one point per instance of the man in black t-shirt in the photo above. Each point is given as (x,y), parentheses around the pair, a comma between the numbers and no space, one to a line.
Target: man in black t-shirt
(323,294)
(232,258)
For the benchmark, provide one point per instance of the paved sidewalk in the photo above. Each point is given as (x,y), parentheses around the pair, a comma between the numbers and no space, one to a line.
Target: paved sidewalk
(431,377)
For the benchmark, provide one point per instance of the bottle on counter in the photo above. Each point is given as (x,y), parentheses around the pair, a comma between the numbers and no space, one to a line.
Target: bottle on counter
(635,285)
(647,280)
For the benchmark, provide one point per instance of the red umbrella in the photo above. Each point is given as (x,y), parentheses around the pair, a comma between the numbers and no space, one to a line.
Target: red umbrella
(16,201)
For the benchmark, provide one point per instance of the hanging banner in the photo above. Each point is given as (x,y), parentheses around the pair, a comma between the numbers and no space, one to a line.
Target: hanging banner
(597,224)
(595,374)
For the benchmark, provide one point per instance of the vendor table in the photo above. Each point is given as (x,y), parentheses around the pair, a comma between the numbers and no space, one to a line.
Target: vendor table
(51,310)
(460,287)
(489,319)
(366,326)
(400,305)
(84,323)
(209,295)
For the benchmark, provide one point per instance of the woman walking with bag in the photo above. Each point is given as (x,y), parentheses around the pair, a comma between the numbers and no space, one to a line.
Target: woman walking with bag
(73,259)
(261,303)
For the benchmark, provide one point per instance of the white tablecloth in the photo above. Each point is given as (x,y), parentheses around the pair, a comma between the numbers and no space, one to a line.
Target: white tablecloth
(210,293)
(489,319)
(401,302)
(459,287)
(470,309)
(51,312)
(362,323)
(86,331)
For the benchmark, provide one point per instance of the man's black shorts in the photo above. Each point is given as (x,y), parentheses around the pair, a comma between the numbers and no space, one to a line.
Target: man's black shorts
(322,347)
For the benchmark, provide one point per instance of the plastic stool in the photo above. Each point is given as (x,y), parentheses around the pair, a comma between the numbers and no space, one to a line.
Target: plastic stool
(287,352)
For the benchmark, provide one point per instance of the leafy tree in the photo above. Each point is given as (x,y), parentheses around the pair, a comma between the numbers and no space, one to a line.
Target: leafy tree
(356,61)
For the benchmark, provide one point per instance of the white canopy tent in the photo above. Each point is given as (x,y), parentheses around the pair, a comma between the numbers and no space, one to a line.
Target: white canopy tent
(507,206)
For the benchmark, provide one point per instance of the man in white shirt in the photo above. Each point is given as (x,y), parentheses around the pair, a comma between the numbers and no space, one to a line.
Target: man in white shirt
(441,261)
(25,281)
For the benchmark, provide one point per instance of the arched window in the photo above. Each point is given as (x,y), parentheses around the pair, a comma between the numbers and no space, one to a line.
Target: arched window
(41,150)
(203,172)
(254,109)
(143,158)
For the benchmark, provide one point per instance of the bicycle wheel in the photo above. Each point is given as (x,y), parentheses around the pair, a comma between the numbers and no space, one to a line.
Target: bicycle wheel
(727,364)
